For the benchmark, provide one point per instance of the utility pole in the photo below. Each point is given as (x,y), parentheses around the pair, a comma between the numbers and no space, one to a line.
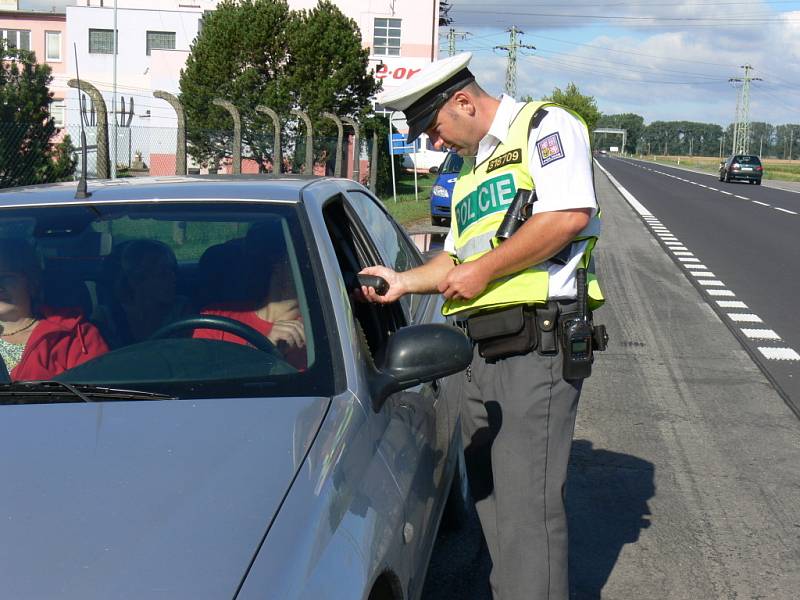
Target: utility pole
(452,34)
(511,69)
(741,127)
(791,141)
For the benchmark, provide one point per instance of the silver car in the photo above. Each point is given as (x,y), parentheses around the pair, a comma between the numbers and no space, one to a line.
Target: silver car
(197,405)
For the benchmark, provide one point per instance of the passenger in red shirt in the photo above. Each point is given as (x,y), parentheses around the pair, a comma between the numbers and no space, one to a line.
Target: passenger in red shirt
(38,342)
(270,304)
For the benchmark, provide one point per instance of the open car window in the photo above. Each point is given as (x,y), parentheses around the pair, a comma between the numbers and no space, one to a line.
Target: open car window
(185,299)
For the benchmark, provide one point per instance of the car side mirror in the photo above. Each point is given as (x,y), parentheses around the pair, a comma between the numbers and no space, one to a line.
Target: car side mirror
(417,354)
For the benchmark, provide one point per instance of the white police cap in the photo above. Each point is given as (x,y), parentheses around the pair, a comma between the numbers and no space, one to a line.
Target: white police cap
(425,93)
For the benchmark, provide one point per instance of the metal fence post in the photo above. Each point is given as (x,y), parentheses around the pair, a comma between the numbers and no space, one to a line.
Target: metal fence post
(309,140)
(237,133)
(180,145)
(356,147)
(276,153)
(337,169)
(103,161)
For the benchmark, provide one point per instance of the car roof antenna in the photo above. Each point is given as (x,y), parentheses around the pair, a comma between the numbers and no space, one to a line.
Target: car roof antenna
(82,191)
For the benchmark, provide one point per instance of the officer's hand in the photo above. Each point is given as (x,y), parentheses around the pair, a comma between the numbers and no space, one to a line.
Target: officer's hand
(393,278)
(464,281)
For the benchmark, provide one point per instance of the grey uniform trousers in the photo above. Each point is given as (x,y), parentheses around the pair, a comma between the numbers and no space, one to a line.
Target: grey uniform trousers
(518,418)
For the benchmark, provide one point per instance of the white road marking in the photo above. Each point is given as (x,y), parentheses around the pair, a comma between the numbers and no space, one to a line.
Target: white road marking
(713,189)
(693,267)
(779,353)
(726,193)
(686,259)
(731,304)
(711,282)
(673,244)
(720,293)
(701,273)
(761,203)
(744,318)
(742,197)
(791,212)
(761,334)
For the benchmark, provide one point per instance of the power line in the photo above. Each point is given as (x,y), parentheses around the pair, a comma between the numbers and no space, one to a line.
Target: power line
(741,128)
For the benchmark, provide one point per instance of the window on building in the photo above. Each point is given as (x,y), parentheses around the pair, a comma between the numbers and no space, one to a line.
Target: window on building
(160,40)
(57,111)
(386,38)
(17,38)
(52,45)
(101,41)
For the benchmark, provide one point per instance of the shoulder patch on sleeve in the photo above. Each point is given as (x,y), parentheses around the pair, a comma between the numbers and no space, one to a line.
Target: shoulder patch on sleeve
(550,149)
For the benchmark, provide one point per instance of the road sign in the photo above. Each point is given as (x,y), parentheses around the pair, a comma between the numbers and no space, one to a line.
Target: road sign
(397,144)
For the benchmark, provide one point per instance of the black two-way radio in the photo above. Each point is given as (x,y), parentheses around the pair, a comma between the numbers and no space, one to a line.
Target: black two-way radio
(576,335)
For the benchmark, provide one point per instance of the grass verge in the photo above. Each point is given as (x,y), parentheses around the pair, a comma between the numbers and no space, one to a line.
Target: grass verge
(410,208)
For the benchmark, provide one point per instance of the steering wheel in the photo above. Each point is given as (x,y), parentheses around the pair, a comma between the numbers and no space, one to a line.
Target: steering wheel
(233,326)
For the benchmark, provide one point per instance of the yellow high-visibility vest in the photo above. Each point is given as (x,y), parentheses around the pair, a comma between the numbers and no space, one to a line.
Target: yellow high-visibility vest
(481,197)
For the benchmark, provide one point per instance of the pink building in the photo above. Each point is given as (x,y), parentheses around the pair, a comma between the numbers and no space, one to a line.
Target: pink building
(45,34)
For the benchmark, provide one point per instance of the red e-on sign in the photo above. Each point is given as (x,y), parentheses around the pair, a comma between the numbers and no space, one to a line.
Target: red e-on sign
(383,72)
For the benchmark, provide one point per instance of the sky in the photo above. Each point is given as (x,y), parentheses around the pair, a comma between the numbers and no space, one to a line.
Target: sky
(662,60)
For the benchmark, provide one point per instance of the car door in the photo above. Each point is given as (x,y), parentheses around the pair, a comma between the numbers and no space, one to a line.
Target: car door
(413,427)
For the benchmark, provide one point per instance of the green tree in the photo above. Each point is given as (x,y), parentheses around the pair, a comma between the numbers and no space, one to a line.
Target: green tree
(253,52)
(633,125)
(572,98)
(27,155)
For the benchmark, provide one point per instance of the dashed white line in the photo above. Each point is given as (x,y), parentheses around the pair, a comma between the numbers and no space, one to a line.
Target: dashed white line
(681,253)
(742,197)
(686,259)
(701,273)
(761,203)
(731,304)
(761,334)
(694,267)
(726,193)
(720,293)
(744,318)
(791,212)
(779,353)
(711,283)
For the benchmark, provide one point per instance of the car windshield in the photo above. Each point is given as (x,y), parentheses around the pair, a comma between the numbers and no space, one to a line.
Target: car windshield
(187,299)
(452,163)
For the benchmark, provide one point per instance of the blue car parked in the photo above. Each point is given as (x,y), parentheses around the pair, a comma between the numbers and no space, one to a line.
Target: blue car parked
(443,189)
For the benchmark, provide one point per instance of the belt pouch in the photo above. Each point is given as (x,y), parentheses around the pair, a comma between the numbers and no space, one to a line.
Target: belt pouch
(546,320)
(503,333)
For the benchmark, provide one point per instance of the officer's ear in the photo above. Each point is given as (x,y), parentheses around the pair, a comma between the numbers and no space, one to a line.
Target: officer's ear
(464,103)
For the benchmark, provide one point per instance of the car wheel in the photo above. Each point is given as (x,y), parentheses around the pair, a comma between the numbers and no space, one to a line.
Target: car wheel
(727,177)
(721,176)
(758,182)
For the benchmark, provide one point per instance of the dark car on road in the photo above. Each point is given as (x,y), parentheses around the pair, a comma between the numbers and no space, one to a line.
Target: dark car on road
(212,458)
(442,190)
(742,167)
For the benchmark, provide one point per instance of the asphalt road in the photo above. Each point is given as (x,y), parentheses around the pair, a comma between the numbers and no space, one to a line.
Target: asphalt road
(746,238)
(683,482)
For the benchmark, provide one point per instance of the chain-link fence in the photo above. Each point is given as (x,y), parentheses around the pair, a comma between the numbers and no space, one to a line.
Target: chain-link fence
(153,151)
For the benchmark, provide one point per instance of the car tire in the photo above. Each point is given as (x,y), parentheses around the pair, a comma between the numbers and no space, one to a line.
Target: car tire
(721,177)
(727,178)
(758,182)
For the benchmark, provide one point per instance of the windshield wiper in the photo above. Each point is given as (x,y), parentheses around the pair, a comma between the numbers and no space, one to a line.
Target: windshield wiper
(18,392)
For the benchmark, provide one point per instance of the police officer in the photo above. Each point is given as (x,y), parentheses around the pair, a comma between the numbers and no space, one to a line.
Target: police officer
(518,410)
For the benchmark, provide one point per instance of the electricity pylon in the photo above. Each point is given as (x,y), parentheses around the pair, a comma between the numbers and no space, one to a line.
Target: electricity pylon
(452,34)
(511,68)
(741,126)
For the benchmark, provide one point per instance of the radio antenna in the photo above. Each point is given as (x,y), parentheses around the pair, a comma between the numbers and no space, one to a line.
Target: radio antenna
(82,191)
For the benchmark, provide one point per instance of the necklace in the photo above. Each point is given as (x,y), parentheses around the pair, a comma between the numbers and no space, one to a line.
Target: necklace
(10,333)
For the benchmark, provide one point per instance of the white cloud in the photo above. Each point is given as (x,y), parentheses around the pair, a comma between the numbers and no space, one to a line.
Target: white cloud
(679,73)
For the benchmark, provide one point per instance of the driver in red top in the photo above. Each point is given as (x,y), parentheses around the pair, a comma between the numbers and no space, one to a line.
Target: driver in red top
(271,308)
